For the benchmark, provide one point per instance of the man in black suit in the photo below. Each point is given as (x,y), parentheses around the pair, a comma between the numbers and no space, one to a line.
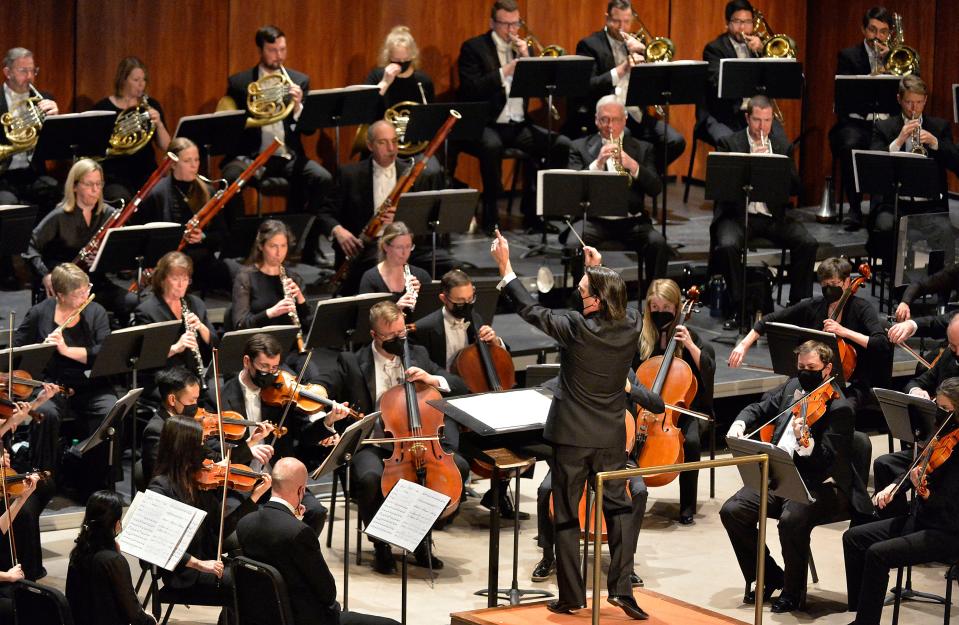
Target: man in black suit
(611,77)
(309,181)
(585,421)
(635,232)
(275,535)
(723,116)
(825,465)
(486,66)
(854,132)
(898,134)
(361,188)
(770,222)
(363,377)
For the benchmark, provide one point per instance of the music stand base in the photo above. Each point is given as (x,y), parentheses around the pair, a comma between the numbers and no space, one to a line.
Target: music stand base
(515,596)
(908,594)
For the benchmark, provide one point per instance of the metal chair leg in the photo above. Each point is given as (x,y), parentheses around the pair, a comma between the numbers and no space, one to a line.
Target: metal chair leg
(689,171)
(329,519)
(812,568)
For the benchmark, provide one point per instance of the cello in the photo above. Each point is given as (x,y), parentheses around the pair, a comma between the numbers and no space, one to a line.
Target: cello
(847,352)
(671,378)
(407,415)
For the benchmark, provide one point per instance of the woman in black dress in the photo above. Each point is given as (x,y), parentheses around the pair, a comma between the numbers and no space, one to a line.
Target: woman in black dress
(127,172)
(389,275)
(99,584)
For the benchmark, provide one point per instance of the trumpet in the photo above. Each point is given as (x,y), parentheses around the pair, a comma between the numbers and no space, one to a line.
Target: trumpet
(197,356)
(410,288)
(763,146)
(618,158)
(294,316)
(22,125)
(132,129)
(917,146)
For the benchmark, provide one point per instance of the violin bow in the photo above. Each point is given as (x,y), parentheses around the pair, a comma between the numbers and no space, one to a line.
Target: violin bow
(792,405)
(226,487)
(296,387)
(925,454)
(3,449)
(219,412)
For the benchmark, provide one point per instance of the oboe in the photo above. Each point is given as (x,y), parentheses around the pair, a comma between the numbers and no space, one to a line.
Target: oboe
(293,314)
(410,289)
(197,356)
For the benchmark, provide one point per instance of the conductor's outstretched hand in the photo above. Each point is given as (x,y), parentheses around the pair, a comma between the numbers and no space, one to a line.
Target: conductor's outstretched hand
(591,256)
(499,250)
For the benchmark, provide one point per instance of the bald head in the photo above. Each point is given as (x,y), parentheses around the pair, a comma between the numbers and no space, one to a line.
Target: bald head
(289,480)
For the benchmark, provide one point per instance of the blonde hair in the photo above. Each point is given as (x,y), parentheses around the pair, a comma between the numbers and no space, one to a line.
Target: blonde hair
(67,278)
(400,36)
(80,169)
(649,337)
(393,231)
(384,313)
(169,263)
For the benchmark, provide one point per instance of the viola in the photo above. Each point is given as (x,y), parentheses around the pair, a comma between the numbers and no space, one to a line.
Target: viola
(310,398)
(812,407)
(847,352)
(241,478)
(406,414)
(936,453)
(16,482)
(234,425)
(672,379)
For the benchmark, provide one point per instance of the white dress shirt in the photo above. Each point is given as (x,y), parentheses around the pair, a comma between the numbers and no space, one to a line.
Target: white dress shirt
(251,401)
(788,441)
(389,372)
(758,208)
(384,179)
(513,111)
(20,160)
(621,83)
(456,338)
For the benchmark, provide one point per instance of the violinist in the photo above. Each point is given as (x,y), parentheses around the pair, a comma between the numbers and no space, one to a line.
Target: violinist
(180,457)
(857,324)
(660,319)
(394,274)
(825,467)
(928,535)
(10,572)
(364,376)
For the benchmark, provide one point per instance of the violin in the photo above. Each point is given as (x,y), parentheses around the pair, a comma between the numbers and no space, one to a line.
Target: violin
(23,385)
(406,413)
(672,379)
(811,408)
(847,352)
(16,482)
(936,453)
(234,425)
(310,398)
(241,478)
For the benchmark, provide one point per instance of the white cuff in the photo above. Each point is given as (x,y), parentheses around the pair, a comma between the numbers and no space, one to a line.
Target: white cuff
(615,76)
(806,451)
(506,280)
(594,166)
(895,146)
(444,385)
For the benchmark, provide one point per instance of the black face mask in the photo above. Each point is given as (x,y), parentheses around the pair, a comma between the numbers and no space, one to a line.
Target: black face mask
(404,65)
(809,378)
(462,311)
(394,346)
(832,293)
(189,410)
(263,379)
(661,319)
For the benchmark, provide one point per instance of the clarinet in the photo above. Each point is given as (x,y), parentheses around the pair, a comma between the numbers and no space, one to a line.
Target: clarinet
(410,289)
(293,314)
(197,356)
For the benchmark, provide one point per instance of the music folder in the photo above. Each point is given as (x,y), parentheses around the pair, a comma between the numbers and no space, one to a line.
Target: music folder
(909,418)
(215,133)
(343,106)
(784,478)
(783,338)
(772,77)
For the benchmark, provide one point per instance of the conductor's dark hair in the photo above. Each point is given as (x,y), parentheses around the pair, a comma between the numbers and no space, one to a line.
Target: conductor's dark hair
(262,343)
(267,34)
(608,287)
(104,509)
(454,278)
(835,267)
(174,380)
(877,13)
(622,5)
(737,5)
(503,5)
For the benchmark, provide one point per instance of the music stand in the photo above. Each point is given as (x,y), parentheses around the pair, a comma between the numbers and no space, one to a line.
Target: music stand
(233,345)
(216,133)
(333,108)
(343,322)
(665,84)
(425,121)
(342,456)
(30,358)
(784,338)
(16,226)
(734,177)
(448,211)
(70,136)
(106,433)
(784,478)
(136,247)
(866,95)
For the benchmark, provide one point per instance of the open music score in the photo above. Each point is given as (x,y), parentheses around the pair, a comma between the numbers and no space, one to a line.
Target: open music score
(159,529)
(407,514)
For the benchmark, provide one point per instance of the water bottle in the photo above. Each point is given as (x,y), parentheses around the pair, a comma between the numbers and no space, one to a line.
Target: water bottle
(717,293)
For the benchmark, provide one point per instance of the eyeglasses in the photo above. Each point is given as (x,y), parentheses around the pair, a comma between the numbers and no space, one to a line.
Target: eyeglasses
(402,248)
(740,23)
(389,337)
(274,369)
(91,185)
(606,121)
(27,71)
(452,301)
(509,24)
(872,30)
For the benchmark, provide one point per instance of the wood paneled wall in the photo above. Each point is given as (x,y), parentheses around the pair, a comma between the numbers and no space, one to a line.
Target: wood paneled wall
(190,46)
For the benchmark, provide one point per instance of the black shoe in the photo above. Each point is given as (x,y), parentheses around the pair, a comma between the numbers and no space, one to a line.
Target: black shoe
(786,604)
(635,580)
(686,519)
(772,584)
(628,604)
(422,557)
(543,569)
(383,561)
(506,509)
(561,607)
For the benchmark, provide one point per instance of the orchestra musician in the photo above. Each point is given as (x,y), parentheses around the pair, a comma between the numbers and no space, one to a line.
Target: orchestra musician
(363,377)
(610,149)
(276,535)
(612,48)
(724,116)
(942,283)
(486,65)
(770,222)
(170,301)
(596,348)
(177,198)
(99,584)
(928,535)
(361,190)
(127,173)
(398,75)
(853,131)
(858,324)
(899,133)
(24,516)
(825,467)
(309,181)
(389,275)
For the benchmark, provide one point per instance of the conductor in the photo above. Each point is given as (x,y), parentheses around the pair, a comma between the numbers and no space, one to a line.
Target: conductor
(597,342)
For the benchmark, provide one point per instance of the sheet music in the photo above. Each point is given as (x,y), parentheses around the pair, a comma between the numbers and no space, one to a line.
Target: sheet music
(503,411)
(408,513)
(159,529)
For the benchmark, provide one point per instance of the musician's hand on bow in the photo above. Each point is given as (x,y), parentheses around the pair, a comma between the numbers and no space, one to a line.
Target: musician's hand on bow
(283,307)
(49,107)
(902,331)
(591,256)
(737,429)
(918,392)
(262,452)
(350,244)
(902,312)
(486,334)
(499,250)
(831,325)
(330,441)
(13,574)
(883,497)
(214,567)
(415,374)
(47,282)
(193,235)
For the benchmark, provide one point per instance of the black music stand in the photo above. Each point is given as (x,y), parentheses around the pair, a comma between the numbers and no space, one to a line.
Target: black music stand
(732,177)
(665,84)
(487,297)
(343,322)
(342,456)
(784,338)
(426,119)
(784,478)
(72,136)
(106,432)
(216,133)
(30,358)
(136,247)
(333,108)
(773,78)
(233,344)
(16,226)
(448,211)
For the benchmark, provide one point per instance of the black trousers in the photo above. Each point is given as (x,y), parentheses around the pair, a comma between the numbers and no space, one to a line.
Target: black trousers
(692,451)
(740,515)
(871,550)
(727,250)
(847,135)
(633,234)
(358,618)
(527,137)
(571,467)
(886,469)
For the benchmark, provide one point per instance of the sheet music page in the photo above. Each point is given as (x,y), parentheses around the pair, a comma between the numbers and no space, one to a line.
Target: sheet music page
(408,513)
(501,411)
(158,529)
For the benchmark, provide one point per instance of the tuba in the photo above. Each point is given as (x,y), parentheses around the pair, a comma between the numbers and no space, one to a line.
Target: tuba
(902,60)
(777,46)
(132,130)
(267,100)
(22,126)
